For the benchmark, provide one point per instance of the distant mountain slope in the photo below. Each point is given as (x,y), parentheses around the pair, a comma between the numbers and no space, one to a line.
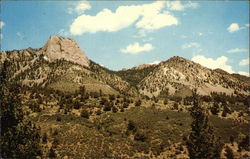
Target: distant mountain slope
(178,76)
(136,74)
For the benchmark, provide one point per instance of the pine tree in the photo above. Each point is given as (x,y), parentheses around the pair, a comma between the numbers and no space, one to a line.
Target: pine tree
(229,153)
(19,138)
(202,143)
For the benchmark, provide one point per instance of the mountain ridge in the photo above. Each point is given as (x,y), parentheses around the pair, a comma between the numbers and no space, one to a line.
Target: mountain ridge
(61,59)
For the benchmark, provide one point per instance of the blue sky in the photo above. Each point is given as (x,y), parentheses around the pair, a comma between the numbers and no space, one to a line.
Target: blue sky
(128,33)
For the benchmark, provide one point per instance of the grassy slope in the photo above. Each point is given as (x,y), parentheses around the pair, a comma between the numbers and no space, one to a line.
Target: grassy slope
(106,136)
(134,76)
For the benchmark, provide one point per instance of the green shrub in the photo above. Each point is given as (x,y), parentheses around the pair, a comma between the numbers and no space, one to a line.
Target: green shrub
(165,101)
(98,112)
(215,108)
(125,105)
(244,143)
(58,118)
(52,153)
(138,103)
(131,126)
(229,153)
(107,106)
(140,136)
(175,106)
(114,109)
(85,114)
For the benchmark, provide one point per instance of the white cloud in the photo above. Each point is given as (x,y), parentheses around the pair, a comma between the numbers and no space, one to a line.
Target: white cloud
(244,62)
(247,25)
(237,50)
(146,17)
(82,6)
(244,73)
(190,45)
(137,48)
(156,21)
(2,24)
(220,62)
(155,63)
(79,8)
(178,6)
(233,28)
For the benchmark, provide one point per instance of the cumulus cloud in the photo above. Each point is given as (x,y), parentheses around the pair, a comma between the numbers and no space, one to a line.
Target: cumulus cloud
(233,28)
(2,24)
(82,6)
(237,50)
(137,48)
(190,45)
(79,8)
(247,25)
(244,73)
(147,17)
(244,62)
(178,6)
(220,62)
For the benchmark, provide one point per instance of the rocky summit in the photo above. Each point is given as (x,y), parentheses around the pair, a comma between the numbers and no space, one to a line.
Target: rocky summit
(65,48)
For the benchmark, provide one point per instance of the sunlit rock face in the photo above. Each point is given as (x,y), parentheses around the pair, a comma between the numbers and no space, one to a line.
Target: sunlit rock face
(65,48)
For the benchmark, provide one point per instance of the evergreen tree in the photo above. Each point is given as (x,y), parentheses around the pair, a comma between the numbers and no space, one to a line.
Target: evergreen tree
(215,108)
(229,153)
(19,138)
(202,143)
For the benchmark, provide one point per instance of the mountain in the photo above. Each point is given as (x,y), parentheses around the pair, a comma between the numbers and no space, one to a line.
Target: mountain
(112,117)
(136,74)
(64,48)
(178,76)
(61,65)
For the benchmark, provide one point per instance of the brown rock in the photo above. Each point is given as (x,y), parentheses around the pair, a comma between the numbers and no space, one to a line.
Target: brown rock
(65,48)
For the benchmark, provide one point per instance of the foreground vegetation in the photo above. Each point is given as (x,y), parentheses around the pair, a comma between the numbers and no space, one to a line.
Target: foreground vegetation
(97,125)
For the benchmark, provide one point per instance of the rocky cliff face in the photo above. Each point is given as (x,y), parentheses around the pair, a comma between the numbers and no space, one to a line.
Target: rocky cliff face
(64,48)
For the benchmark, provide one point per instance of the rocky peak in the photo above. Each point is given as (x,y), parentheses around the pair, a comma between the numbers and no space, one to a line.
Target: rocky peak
(64,48)
(177,59)
(141,67)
